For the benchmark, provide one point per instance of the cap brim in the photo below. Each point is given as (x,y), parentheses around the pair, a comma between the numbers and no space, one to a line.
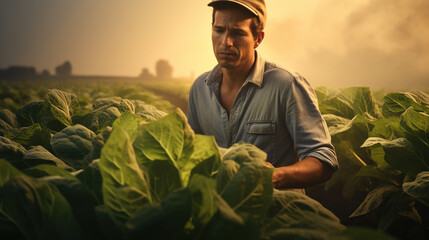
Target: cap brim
(211,4)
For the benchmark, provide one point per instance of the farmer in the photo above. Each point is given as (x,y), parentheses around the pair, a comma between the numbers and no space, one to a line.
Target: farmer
(245,98)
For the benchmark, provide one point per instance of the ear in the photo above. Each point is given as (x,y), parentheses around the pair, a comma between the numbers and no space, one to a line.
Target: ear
(259,39)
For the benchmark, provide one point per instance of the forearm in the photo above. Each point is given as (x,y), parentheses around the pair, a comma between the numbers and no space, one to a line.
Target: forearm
(305,173)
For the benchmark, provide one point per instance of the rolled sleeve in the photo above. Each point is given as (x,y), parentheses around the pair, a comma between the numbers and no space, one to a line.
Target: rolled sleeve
(306,125)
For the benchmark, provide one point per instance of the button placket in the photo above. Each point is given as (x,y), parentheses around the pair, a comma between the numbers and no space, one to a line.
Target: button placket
(234,116)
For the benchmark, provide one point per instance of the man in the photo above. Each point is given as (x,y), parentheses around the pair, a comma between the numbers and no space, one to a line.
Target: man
(245,98)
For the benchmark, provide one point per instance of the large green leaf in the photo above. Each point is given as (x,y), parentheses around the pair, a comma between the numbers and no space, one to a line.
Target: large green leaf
(247,185)
(7,171)
(9,118)
(337,106)
(170,152)
(91,177)
(350,163)
(399,154)
(148,112)
(377,155)
(249,191)
(38,209)
(163,221)
(226,224)
(386,175)
(62,104)
(129,122)
(97,144)
(350,102)
(125,185)
(374,199)
(369,174)
(347,137)
(334,121)
(204,204)
(31,136)
(122,105)
(210,212)
(108,227)
(225,211)
(5,128)
(397,103)
(416,127)
(356,131)
(389,203)
(104,118)
(156,147)
(362,100)
(72,144)
(205,158)
(8,103)
(396,206)
(387,128)
(82,202)
(44,170)
(245,153)
(164,178)
(168,139)
(39,155)
(12,152)
(8,122)
(322,94)
(416,122)
(33,112)
(294,210)
(419,188)
(107,110)
(24,134)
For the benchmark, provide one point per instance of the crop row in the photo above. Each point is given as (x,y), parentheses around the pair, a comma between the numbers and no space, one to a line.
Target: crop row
(108,162)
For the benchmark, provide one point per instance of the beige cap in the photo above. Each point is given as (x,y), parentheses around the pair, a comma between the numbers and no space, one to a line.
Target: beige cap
(257,7)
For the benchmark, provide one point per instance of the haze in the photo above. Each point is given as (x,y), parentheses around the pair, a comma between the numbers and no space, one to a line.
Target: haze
(334,43)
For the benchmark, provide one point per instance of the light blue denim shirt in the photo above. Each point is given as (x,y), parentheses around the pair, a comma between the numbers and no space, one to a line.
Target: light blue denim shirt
(275,110)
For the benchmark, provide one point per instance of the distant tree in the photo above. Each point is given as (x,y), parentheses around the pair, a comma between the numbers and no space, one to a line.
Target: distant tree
(18,73)
(163,69)
(64,69)
(146,74)
(45,73)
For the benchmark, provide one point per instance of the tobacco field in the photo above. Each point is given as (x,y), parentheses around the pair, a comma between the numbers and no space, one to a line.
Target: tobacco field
(115,160)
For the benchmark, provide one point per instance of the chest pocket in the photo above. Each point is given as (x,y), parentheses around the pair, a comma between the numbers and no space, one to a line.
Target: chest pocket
(263,135)
(261,128)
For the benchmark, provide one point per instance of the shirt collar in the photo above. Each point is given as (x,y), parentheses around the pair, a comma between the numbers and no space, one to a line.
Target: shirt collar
(256,74)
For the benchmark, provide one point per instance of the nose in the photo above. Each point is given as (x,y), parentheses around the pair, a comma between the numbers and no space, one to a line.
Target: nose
(227,40)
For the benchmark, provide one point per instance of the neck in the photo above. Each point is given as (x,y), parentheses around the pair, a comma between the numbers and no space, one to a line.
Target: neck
(235,77)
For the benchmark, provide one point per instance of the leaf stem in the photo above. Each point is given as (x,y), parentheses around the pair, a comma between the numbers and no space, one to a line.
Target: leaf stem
(358,158)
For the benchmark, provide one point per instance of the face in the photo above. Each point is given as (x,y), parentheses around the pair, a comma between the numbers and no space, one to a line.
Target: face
(233,42)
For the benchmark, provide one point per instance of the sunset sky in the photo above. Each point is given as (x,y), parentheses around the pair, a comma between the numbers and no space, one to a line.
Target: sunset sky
(334,43)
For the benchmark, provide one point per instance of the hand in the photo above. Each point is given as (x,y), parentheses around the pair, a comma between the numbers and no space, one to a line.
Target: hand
(276,175)
(305,173)
(277,178)
(269,164)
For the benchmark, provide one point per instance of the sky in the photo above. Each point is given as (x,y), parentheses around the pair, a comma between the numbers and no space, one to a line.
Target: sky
(333,43)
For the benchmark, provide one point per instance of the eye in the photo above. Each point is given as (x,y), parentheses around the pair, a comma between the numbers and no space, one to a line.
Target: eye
(218,30)
(239,33)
